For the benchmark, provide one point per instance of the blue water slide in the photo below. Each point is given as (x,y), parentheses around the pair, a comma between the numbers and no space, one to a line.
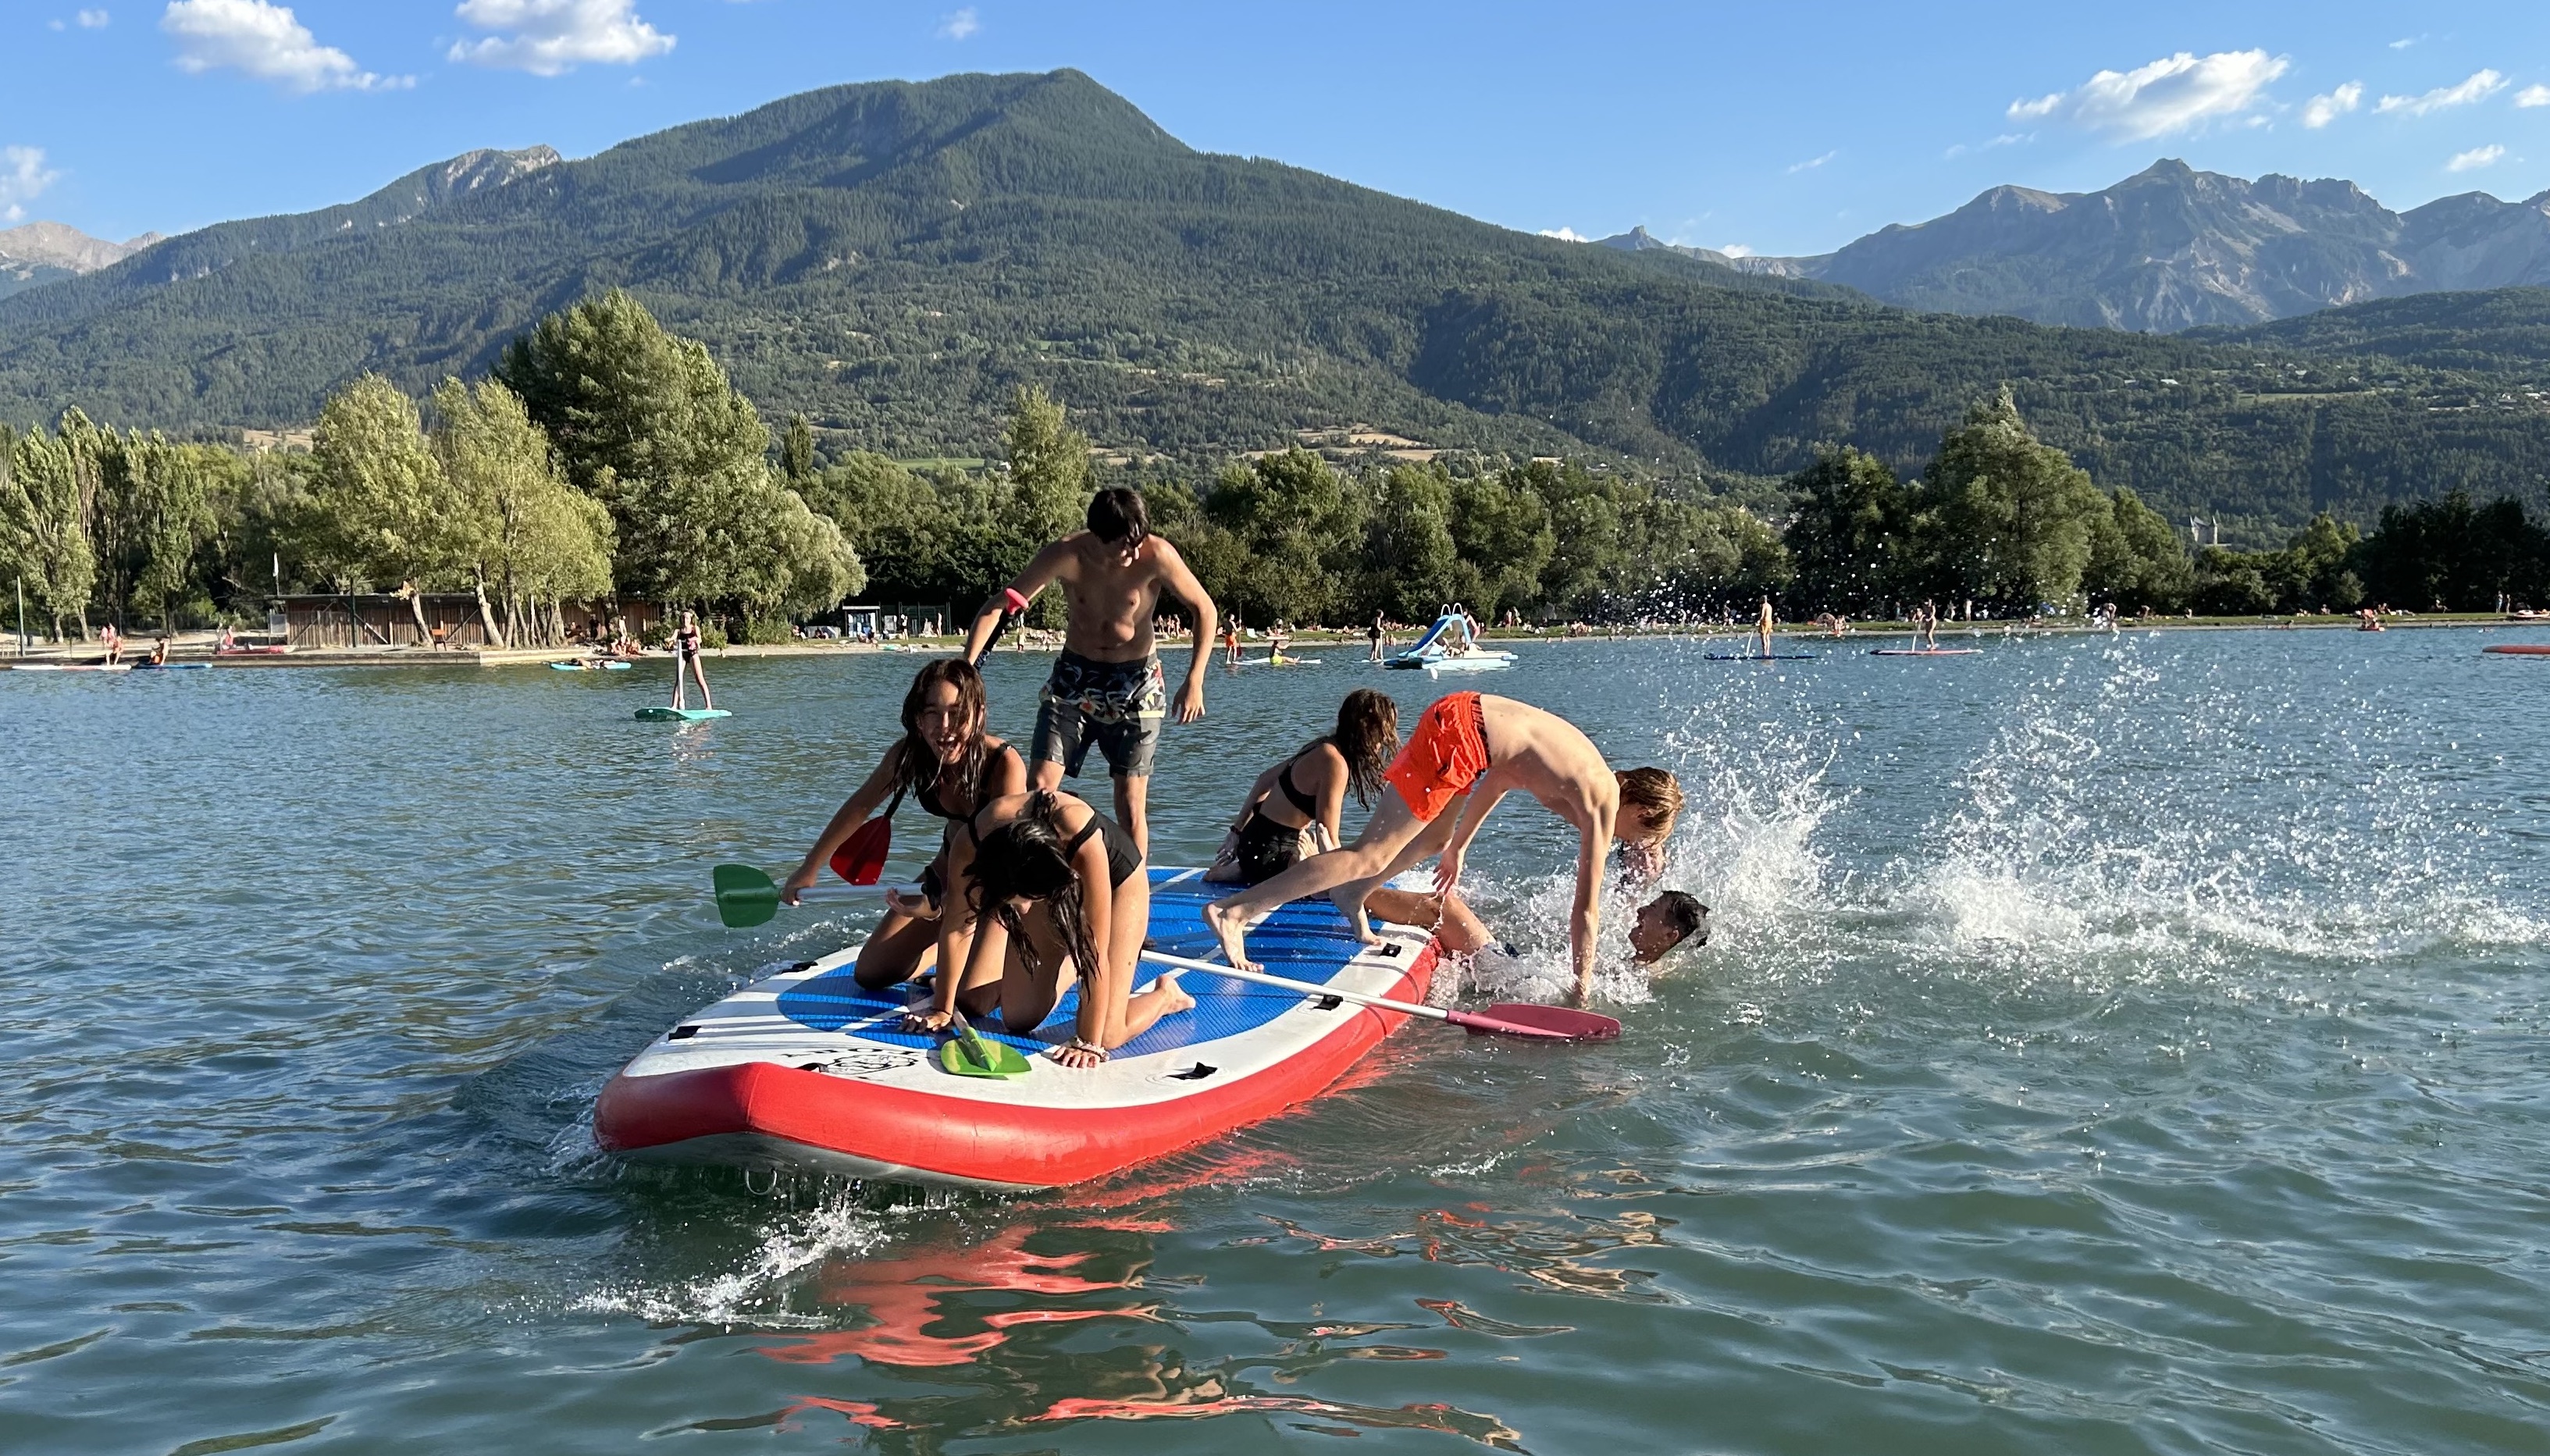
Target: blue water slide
(1431,633)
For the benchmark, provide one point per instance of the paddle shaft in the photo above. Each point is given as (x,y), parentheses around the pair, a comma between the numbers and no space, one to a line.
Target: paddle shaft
(1382,1003)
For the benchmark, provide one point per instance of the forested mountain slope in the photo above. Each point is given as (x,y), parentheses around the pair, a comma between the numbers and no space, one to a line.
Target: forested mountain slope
(893,259)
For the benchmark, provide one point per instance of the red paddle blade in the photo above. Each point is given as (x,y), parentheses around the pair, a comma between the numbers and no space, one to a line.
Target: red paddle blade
(861,858)
(1544,1022)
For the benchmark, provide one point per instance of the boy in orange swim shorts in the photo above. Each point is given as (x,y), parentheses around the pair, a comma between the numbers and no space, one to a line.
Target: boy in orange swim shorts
(1475,749)
(1444,756)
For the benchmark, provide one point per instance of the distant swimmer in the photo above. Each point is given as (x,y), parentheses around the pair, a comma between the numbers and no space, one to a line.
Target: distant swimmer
(1475,748)
(686,659)
(1106,691)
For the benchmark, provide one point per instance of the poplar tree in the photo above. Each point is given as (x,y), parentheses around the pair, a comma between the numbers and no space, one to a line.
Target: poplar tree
(530,534)
(43,537)
(384,512)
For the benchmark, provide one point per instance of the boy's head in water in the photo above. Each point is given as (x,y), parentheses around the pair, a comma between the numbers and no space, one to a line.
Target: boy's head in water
(1666,922)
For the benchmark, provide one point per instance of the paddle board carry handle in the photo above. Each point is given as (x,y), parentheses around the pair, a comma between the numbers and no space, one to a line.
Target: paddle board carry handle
(1013,607)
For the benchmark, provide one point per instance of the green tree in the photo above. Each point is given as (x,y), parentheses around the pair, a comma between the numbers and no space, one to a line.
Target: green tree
(527,532)
(1049,484)
(1292,530)
(1589,558)
(1410,558)
(387,514)
(44,536)
(648,424)
(2003,518)
(2136,560)
(1694,555)
(1502,529)
(1846,533)
(797,452)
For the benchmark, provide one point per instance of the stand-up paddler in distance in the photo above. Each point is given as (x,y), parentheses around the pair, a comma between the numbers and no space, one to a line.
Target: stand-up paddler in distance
(1106,690)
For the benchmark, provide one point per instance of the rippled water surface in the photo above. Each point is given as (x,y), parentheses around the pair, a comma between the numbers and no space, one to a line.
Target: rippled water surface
(2129,1044)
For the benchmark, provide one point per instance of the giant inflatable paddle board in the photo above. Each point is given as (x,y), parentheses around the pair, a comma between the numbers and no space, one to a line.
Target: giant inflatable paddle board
(804,1069)
(2521,649)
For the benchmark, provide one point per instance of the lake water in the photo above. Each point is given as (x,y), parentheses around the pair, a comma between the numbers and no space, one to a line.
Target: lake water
(2108,1046)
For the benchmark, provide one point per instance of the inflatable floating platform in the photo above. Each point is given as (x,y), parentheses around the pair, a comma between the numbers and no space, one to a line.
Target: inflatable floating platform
(804,1069)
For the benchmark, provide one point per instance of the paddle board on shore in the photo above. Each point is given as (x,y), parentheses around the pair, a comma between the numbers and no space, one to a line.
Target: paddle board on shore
(680,715)
(804,1069)
(71,666)
(1924,651)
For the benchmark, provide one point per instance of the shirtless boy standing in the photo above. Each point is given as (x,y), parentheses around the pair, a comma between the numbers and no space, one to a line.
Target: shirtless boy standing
(1107,689)
(1477,749)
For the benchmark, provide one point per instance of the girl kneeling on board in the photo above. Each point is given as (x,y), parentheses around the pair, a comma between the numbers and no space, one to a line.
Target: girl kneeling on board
(1053,891)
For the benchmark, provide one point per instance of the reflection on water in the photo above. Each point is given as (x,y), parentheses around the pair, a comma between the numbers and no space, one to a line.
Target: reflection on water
(2124,1045)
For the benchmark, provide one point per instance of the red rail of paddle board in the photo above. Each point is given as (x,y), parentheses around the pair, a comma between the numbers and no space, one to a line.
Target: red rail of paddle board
(2521,649)
(965,1140)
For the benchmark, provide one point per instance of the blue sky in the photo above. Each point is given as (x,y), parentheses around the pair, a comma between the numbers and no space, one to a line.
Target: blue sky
(1781,128)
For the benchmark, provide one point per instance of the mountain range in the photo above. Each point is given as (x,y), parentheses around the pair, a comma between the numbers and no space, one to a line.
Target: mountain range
(2171,248)
(45,253)
(894,259)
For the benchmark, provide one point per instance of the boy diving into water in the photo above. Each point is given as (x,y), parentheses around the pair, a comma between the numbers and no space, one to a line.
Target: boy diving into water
(1107,689)
(1475,749)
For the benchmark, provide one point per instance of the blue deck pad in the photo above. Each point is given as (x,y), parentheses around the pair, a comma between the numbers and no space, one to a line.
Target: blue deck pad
(1308,940)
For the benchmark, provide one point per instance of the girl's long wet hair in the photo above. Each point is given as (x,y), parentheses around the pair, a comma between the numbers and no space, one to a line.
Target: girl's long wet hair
(1029,858)
(919,767)
(1367,733)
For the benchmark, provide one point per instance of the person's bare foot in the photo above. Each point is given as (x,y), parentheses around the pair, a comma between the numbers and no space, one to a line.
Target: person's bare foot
(1232,929)
(1173,996)
(1350,901)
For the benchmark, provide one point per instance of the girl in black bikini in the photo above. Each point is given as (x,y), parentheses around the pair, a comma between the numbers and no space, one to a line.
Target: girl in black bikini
(686,658)
(951,767)
(1308,791)
(1053,891)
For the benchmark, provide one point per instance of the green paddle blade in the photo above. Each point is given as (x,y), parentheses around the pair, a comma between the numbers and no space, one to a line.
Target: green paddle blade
(744,895)
(968,1054)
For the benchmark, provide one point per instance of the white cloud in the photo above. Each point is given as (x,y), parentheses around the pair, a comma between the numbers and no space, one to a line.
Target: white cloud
(1565,235)
(1736,250)
(266,42)
(23,179)
(1813,161)
(2406,42)
(2533,96)
(88,20)
(958,26)
(2319,110)
(2474,158)
(2172,94)
(548,38)
(2481,86)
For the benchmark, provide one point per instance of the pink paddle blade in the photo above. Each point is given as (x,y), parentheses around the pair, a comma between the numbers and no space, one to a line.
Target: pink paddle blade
(1544,1022)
